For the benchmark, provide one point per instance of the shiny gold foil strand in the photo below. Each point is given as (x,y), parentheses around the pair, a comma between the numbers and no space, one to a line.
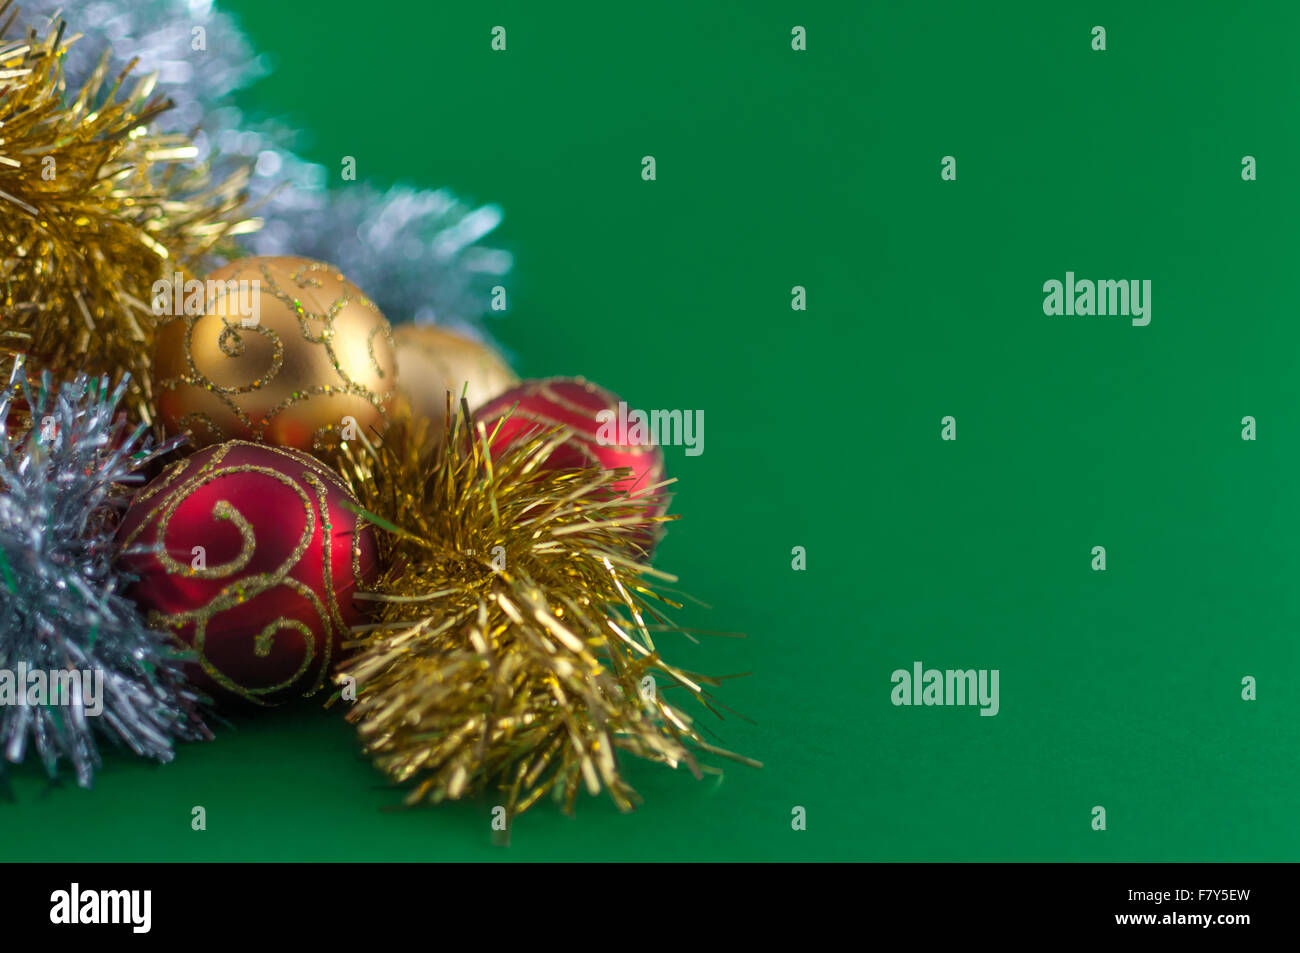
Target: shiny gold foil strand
(94,208)
(525,679)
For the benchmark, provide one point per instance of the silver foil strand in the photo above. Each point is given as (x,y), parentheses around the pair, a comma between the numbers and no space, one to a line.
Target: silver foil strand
(63,484)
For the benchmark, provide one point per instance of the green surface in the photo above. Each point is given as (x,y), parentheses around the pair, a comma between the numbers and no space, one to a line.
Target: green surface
(776,168)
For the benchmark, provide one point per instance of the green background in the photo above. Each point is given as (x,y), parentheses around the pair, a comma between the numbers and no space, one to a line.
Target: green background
(775,168)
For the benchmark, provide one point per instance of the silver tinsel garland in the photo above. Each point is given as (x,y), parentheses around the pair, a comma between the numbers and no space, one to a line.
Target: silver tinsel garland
(62,609)
(415,252)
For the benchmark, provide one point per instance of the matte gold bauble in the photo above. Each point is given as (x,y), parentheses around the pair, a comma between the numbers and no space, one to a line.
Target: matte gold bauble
(432,361)
(282,351)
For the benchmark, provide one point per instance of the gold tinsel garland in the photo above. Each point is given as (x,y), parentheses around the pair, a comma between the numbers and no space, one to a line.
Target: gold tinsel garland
(513,627)
(94,208)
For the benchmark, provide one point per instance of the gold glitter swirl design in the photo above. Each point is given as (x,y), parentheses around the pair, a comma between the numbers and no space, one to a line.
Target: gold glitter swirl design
(310,482)
(316,356)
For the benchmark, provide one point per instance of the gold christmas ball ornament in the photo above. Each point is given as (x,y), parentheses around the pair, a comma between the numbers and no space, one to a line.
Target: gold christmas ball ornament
(282,351)
(432,361)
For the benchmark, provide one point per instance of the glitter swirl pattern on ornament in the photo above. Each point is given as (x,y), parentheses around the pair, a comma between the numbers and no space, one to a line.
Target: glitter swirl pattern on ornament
(267,606)
(318,360)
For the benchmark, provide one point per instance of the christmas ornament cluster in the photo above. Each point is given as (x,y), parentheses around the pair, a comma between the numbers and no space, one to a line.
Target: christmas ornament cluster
(228,482)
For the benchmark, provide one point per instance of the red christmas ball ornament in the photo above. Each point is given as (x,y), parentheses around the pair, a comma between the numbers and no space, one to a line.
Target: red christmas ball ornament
(250,556)
(603,432)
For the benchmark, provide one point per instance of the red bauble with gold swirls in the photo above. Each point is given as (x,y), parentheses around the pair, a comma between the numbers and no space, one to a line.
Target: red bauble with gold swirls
(592,415)
(249,556)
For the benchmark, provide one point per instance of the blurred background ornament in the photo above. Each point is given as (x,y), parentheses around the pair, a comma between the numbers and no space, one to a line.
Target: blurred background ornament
(434,361)
(287,352)
(417,251)
(250,555)
(63,606)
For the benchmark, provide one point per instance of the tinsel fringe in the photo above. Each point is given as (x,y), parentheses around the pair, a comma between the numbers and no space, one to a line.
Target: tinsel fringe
(96,208)
(512,647)
(66,458)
